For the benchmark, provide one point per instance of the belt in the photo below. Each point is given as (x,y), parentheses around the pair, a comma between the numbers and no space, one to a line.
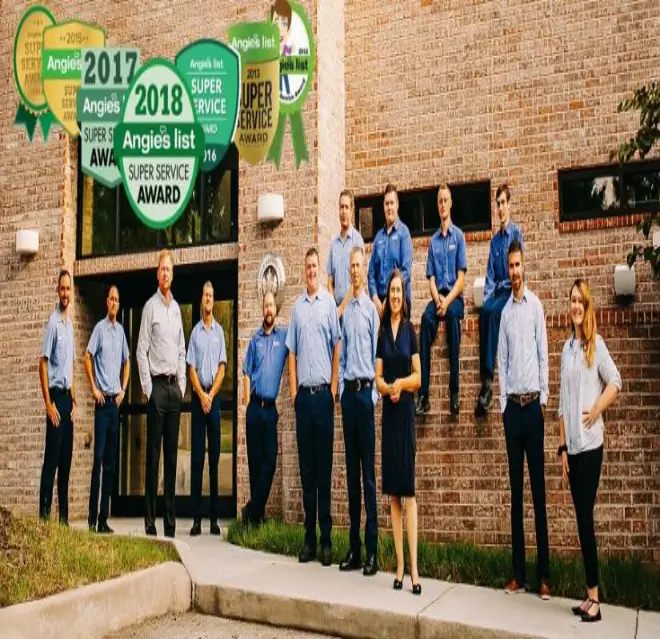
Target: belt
(55,390)
(358,384)
(261,401)
(110,396)
(170,379)
(524,398)
(313,390)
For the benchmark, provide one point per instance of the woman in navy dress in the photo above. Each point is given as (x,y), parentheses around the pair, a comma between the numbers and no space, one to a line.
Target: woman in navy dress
(397,379)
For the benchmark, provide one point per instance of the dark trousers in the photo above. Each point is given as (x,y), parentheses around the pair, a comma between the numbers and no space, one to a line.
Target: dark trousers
(584,475)
(315,421)
(523,428)
(430,322)
(359,441)
(163,411)
(57,457)
(204,427)
(489,332)
(106,430)
(261,440)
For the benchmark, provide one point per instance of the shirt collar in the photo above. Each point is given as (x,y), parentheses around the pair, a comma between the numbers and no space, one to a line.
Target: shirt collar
(109,323)
(395,227)
(523,298)
(213,323)
(349,234)
(450,230)
(359,300)
(60,317)
(508,229)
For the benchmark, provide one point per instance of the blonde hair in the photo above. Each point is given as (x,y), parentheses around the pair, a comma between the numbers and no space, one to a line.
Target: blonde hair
(589,321)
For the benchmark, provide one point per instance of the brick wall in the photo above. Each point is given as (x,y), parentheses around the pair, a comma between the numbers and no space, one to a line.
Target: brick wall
(414,93)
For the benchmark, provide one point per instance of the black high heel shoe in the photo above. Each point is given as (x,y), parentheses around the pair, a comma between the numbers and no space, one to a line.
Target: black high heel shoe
(416,588)
(586,617)
(398,584)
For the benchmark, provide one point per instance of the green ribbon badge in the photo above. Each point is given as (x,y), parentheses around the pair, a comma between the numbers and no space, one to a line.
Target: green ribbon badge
(33,107)
(297,60)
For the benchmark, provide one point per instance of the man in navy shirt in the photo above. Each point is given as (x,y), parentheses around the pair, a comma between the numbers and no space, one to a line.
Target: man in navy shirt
(56,376)
(313,343)
(108,368)
(446,266)
(262,370)
(207,360)
(357,390)
(392,249)
(496,293)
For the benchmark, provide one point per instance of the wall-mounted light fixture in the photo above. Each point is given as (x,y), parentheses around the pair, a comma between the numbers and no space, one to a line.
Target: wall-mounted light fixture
(270,207)
(478,291)
(27,242)
(624,281)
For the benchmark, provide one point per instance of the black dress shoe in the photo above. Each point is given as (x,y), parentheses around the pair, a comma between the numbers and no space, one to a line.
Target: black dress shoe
(326,556)
(214,529)
(196,528)
(169,533)
(370,566)
(350,562)
(422,406)
(104,529)
(307,555)
(453,404)
(151,530)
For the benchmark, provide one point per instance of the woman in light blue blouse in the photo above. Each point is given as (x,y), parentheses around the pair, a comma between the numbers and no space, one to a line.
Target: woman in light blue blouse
(589,385)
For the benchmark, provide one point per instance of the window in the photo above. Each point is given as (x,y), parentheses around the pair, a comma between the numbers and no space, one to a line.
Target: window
(107,224)
(608,191)
(470,211)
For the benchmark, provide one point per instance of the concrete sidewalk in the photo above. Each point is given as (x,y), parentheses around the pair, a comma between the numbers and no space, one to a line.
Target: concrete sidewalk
(253,586)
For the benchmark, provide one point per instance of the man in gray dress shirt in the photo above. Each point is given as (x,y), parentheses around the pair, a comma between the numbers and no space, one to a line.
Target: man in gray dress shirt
(522,358)
(161,359)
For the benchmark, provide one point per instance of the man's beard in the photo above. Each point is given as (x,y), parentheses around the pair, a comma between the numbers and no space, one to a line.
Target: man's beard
(268,320)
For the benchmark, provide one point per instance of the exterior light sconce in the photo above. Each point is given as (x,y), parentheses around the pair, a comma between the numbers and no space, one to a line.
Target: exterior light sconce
(27,242)
(270,208)
(478,291)
(624,284)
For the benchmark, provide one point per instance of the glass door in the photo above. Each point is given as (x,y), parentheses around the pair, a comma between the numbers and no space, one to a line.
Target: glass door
(128,496)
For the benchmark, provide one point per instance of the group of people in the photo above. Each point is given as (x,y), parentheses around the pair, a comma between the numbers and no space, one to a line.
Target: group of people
(361,346)
(161,358)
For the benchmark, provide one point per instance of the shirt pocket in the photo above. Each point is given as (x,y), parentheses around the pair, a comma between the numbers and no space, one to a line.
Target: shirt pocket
(60,346)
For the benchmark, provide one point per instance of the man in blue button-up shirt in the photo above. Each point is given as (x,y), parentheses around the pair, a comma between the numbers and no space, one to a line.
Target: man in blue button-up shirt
(313,343)
(339,257)
(357,390)
(496,293)
(56,376)
(522,356)
(207,361)
(392,249)
(108,368)
(262,370)
(446,266)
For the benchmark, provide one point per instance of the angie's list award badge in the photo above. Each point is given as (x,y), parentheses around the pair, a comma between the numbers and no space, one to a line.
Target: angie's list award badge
(258,45)
(297,57)
(28,50)
(61,69)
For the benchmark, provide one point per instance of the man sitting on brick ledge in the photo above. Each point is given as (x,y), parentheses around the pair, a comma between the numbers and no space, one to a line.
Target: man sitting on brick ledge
(496,294)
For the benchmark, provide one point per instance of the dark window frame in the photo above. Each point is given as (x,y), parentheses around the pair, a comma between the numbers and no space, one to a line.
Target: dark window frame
(229,163)
(375,202)
(620,171)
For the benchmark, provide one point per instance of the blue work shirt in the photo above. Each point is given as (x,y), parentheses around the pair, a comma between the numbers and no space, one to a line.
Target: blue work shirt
(109,350)
(497,271)
(446,257)
(58,346)
(206,351)
(264,362)
(312,337)
(339,262)
(522,349)
(393,250)
(359,338)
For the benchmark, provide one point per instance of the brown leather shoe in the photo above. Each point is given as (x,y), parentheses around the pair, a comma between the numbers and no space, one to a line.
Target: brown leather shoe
(544,591)
(513,588)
